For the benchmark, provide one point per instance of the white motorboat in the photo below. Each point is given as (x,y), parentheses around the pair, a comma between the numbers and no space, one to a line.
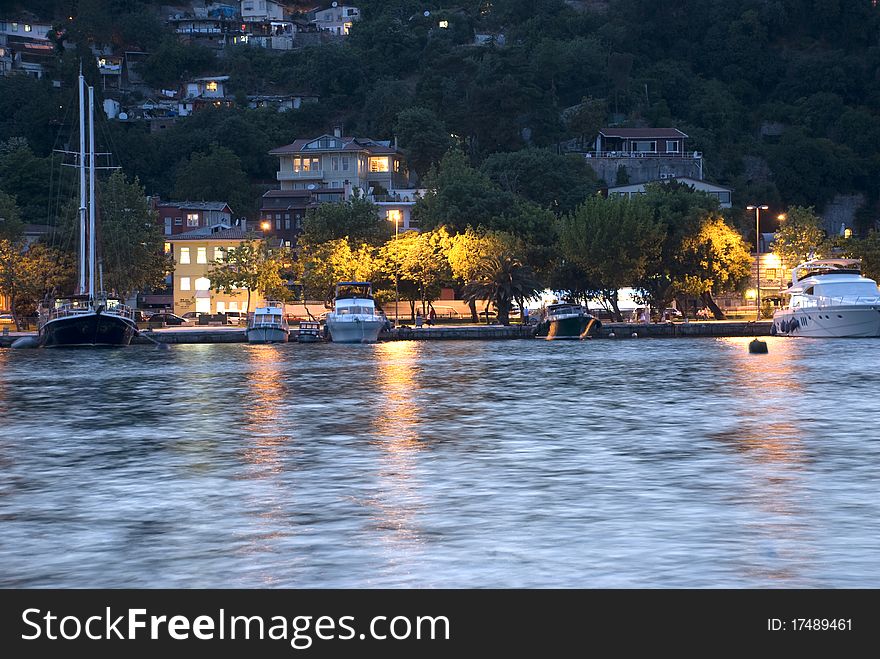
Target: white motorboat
(829,298)
(268,325)
(354,318)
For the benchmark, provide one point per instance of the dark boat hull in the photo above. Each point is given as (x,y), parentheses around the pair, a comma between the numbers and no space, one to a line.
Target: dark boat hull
(87,330)
(579,327)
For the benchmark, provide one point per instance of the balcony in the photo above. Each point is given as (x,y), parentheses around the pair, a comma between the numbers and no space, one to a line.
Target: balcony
(310,175)
(691,155)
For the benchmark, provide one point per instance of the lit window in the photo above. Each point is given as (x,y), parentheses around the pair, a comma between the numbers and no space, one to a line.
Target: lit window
(201,255)
(219,254)
(378,164)
(27,28)
(444,24)
(211,86)
(397,166)
(203,284)
(15,27)
(184,255)
(184,283)
(167,248)
(192,219)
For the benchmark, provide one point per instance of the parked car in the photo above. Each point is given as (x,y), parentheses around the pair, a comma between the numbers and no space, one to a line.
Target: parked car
(169,319)
(6,319)
(672,312)
(236,317)
(141,316)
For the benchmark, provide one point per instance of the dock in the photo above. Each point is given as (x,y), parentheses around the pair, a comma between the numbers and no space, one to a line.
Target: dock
(201,335)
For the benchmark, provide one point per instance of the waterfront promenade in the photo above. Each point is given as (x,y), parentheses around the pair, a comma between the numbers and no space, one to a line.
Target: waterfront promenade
(184,335)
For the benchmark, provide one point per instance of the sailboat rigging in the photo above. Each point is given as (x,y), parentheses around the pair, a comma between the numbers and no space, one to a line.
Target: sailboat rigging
(89,318)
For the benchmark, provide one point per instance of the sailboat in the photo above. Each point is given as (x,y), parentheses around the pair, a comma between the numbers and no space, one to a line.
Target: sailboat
(89,318)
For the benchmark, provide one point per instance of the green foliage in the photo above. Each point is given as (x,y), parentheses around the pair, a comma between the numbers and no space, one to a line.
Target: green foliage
(552,181)
(28,275)
(868,250)
(320,266)
(423,138)
(614,241)
(503,279)
(171,61)
(715,260)
(11,225)
(356,220)
(800,237)
(215,176)
(131,239)
(26,177)
(254,266)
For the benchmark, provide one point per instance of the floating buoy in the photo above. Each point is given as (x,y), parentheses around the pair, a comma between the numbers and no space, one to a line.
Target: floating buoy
(635,335)
(758,347)
(611,335)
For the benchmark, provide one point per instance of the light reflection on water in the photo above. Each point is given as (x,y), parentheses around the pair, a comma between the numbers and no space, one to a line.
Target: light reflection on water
(635,463)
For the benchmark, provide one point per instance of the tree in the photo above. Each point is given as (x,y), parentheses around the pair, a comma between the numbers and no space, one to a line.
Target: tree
(466,251)
(131,240)
(356,220)
(253,266)
(11,225)
(320,266)
(800,237)
(716,260)
(423,138)
(28,275)
(503,279)
(614,240)
(418,259)
(554,182)
(868,250)
(26,177)
(215,176)
(587,118)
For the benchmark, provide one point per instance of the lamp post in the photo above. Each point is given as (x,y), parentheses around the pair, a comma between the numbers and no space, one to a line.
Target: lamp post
(758,210)
(395,216)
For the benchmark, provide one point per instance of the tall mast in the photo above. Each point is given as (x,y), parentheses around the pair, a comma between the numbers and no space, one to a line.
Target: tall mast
(82,185)
(92,193)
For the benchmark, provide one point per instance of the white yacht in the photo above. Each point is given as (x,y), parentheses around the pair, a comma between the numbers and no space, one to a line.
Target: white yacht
(354,318)
(268,325)
(829,298)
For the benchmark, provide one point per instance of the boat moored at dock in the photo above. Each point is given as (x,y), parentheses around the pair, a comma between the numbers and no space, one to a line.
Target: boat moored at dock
(829,298)
(354,318)
(568,321)
(268,325)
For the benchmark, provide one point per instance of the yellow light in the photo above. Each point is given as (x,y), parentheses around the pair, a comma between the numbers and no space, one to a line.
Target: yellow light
(847,233)
(394,216)
(444,24)
(265,226)
(751,294)
(781,217)
(772,261)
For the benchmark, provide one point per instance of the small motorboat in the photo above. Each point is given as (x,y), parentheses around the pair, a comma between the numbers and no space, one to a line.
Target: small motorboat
(309,332)
(268,325)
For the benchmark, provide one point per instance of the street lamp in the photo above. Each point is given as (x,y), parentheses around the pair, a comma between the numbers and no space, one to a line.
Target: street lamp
(758,210)
(265,225)
(394,216)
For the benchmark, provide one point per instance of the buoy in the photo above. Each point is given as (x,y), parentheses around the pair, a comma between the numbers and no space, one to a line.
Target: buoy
(758,347)
(611,335)
(26,342)
(635,335)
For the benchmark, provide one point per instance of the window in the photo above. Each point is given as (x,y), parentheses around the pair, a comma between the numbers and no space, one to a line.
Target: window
(15,27)
(724,197)
(769,273)
(203,284)
(178,221)
(396,165)
(344,163)
(167,248)
(644,146)
(192,219)
(27,28)
(287,222)
(672,146)
(184,255)
(185,283)
(201,255)
(378,164)
(211,86)
(278,224)
(219,254)
(334,164)
(167,226)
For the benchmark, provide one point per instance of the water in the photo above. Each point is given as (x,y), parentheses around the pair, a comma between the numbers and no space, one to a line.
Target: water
(632,463)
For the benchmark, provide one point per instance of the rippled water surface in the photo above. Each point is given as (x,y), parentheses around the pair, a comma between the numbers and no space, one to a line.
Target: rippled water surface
(636,463)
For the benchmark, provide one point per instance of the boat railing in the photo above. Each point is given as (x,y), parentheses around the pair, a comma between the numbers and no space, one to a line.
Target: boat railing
(823,301)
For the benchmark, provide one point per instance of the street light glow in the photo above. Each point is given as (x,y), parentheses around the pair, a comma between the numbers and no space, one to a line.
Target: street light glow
(265,226)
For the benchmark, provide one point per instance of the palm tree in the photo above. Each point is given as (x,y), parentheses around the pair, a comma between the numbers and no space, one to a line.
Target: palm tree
(503,279)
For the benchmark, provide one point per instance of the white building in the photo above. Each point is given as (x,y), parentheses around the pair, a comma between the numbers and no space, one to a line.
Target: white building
(338,19)
(722,193)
